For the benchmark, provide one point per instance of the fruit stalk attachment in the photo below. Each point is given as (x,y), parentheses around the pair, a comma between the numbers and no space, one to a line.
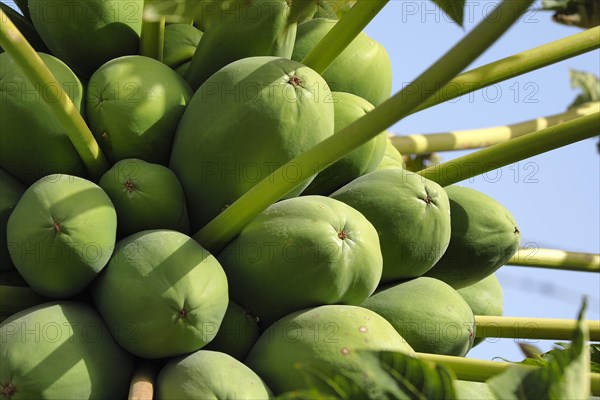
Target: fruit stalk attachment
(218,232)
(54,96)
(514,150)
(531,328)
(142,382)
(152,39)
(556,259)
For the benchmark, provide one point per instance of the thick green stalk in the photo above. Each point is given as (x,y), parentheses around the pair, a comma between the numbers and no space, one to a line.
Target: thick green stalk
(230,222)
(515,65)
(531,328)
(470,369)
(152,39)
(57,99)
(484,137)
(342,34)
(514,150)
(556,259)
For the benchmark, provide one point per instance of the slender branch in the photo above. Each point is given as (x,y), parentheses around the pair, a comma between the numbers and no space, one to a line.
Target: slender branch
(483,137)
(218,232)
(142,383)
(531,328)
(342,34)
(152,39)
(515,65)
(556,259)
(514,150)
(56,99)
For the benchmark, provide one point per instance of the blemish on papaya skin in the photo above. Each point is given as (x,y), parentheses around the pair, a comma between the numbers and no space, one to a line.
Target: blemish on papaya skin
(363,329)
(345,351)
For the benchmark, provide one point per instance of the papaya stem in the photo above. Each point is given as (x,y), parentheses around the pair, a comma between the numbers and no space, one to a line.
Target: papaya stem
(218,232)
(531,328)
(142,383)
(152,38)
(556,259)
(470,369)
(350,25)
(514,150)
(484,137)
(56,99)
(515,65)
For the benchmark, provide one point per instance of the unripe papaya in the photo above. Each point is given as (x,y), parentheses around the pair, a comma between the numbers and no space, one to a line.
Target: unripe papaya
(87,33)
(61,350)
(428,313)
(15,294)
(363,68)
(11,191)
(61,234)
(145,196)
(484,237)
(45,149)
(411,215)
(180,43)
(209,375)
(347,109)
(134,104)
(309,241)
(243,123)
(162,294)
(392,159)
(331,336)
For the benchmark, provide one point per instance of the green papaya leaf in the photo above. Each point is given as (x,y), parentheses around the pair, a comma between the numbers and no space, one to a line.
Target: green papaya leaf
(589,85)
(455,9)
(564,375)
(595,358)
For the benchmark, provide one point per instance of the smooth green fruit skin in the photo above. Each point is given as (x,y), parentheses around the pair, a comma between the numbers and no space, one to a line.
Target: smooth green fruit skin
(485,298)
(428,313)
(243,123)
(209,375)
(411,215)
(347,109)
(180,42)
(146,196)
(134,104)
(11,191)
(45,148)
(467,390)
(87,33)
(364,67)
(62,350)
(15,294)
(392,159)
(331,335)
(61,234)
(484,237)
(306,242)
(237,334)
(162,294)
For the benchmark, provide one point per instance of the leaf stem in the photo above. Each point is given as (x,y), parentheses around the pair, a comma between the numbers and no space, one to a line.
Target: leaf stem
(342,34)
(483,137)
(56,99)
(152,38)
(531,328)
(514,150)
(142,383)
(556,259)
(218,232)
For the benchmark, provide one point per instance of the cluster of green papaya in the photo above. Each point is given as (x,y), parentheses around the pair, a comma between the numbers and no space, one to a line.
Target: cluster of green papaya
(95,276)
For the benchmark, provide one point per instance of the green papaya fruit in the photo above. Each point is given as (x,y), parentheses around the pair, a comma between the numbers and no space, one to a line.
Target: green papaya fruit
(330,335)
(485,298)
(162,294)
(209,375)
(363,68)
(134,104)
(430,315)
(411,215)
(347,109)
(484,237)
(309,241)
(11,191)
(243,123)
(61,234)
(45,148)
(237,334)
(87,33)
(15,294)
(467,390)
(180,42)
(145,196)
(26,28)
(61,350)
(392,159)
